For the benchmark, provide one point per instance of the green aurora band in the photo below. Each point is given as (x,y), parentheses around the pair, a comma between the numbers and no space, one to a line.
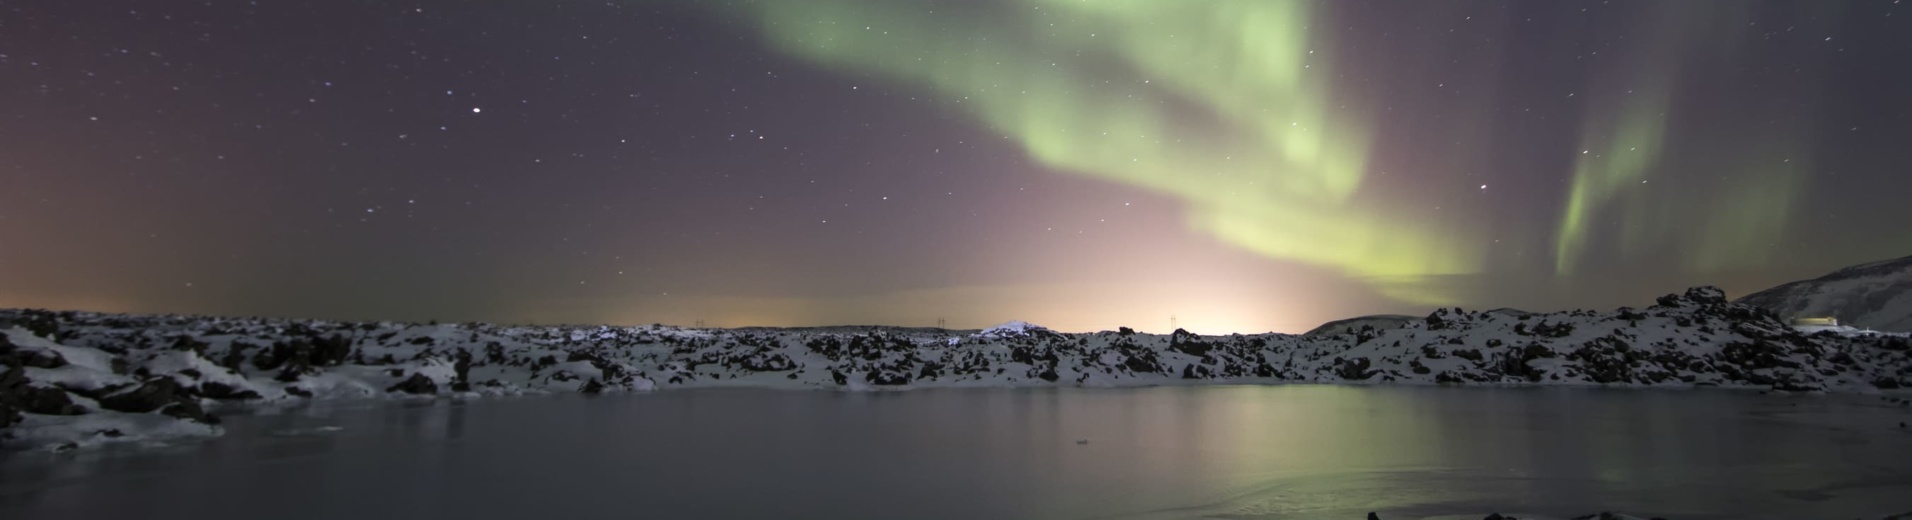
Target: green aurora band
(1750,181)
(1229,107)
(1224,106)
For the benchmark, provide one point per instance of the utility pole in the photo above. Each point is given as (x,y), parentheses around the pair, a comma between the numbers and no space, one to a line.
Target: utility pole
(700,324)
(940,324)
(1171,322)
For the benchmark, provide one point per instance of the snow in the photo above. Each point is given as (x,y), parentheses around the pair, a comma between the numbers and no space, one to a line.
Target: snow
(179,362)
(1877,295)
(1695,339)
(1013,328)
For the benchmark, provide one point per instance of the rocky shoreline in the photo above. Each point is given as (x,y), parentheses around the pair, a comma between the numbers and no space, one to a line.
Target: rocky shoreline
(76,379)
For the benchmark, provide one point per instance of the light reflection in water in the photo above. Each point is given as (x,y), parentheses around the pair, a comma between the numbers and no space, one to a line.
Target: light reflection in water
(1170,452)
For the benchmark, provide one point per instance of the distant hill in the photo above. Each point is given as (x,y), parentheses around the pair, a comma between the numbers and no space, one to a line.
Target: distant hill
(1387,321)
(1877,295)
(1378,321)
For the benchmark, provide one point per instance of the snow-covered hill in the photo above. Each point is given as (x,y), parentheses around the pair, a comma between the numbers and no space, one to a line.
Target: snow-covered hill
(1342,326)
(1876,296)
(76,378)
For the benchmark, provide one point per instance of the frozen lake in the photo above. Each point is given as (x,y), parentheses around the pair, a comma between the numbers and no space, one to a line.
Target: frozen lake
(1169,452)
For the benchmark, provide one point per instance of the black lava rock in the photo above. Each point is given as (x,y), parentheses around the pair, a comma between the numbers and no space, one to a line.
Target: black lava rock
(162,394)
(461,366)
(417,384)
(1354,369)
(39,358)
(188,409)
(331,350)
(48,400)
(224,391)
(150,395)
(12,382)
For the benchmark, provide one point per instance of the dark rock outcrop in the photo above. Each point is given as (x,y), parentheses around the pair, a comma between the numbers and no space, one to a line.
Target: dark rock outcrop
(146,397)
(158,393)
(48,400)
(416,384)
(222,391)
(35,357)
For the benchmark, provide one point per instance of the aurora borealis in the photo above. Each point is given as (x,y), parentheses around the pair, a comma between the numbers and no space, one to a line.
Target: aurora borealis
(1240,165)
(1222,108)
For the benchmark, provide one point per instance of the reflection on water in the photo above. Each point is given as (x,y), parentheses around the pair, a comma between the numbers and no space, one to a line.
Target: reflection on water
(1172,452)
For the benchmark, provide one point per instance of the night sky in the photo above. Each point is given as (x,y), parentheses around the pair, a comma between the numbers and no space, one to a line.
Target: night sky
(1242,166)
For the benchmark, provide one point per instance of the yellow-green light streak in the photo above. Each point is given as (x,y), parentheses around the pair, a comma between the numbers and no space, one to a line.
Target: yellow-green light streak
(1226,106)
(1723,207)
(1602,173)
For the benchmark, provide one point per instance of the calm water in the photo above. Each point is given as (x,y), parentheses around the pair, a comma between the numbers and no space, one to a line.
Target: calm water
(1175,452)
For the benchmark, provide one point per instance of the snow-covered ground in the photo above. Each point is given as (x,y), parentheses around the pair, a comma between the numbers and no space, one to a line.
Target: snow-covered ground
(1877,295)
(74,379)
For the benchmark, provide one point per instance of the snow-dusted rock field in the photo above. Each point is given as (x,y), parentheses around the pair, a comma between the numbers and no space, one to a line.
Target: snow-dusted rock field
(74,379)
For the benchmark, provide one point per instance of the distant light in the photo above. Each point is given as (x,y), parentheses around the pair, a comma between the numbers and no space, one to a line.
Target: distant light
(1483,186)
(475,110)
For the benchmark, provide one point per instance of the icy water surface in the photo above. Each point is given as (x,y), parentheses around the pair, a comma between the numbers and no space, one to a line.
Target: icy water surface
(1170,452)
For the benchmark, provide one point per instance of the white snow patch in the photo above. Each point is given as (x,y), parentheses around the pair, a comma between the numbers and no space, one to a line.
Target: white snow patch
(1010,329)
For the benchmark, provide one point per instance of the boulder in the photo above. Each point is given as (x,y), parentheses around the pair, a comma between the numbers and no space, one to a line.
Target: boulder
(39,358)
(1704,295)
(162,394)
(329,351)
(41,323)
(188,343)
(461,366)
(46,400)
(1048,374)
(222,391)
(417,384)
(1188,343)
(148,396)
(190,410)
(235,355)
(1354,369)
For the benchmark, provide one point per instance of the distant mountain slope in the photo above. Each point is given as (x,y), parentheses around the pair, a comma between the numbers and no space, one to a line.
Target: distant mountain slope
(1343,326)
(1877,295)
(1387,321)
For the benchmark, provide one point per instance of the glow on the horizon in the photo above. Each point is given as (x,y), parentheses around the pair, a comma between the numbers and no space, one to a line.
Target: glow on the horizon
(1229,107)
